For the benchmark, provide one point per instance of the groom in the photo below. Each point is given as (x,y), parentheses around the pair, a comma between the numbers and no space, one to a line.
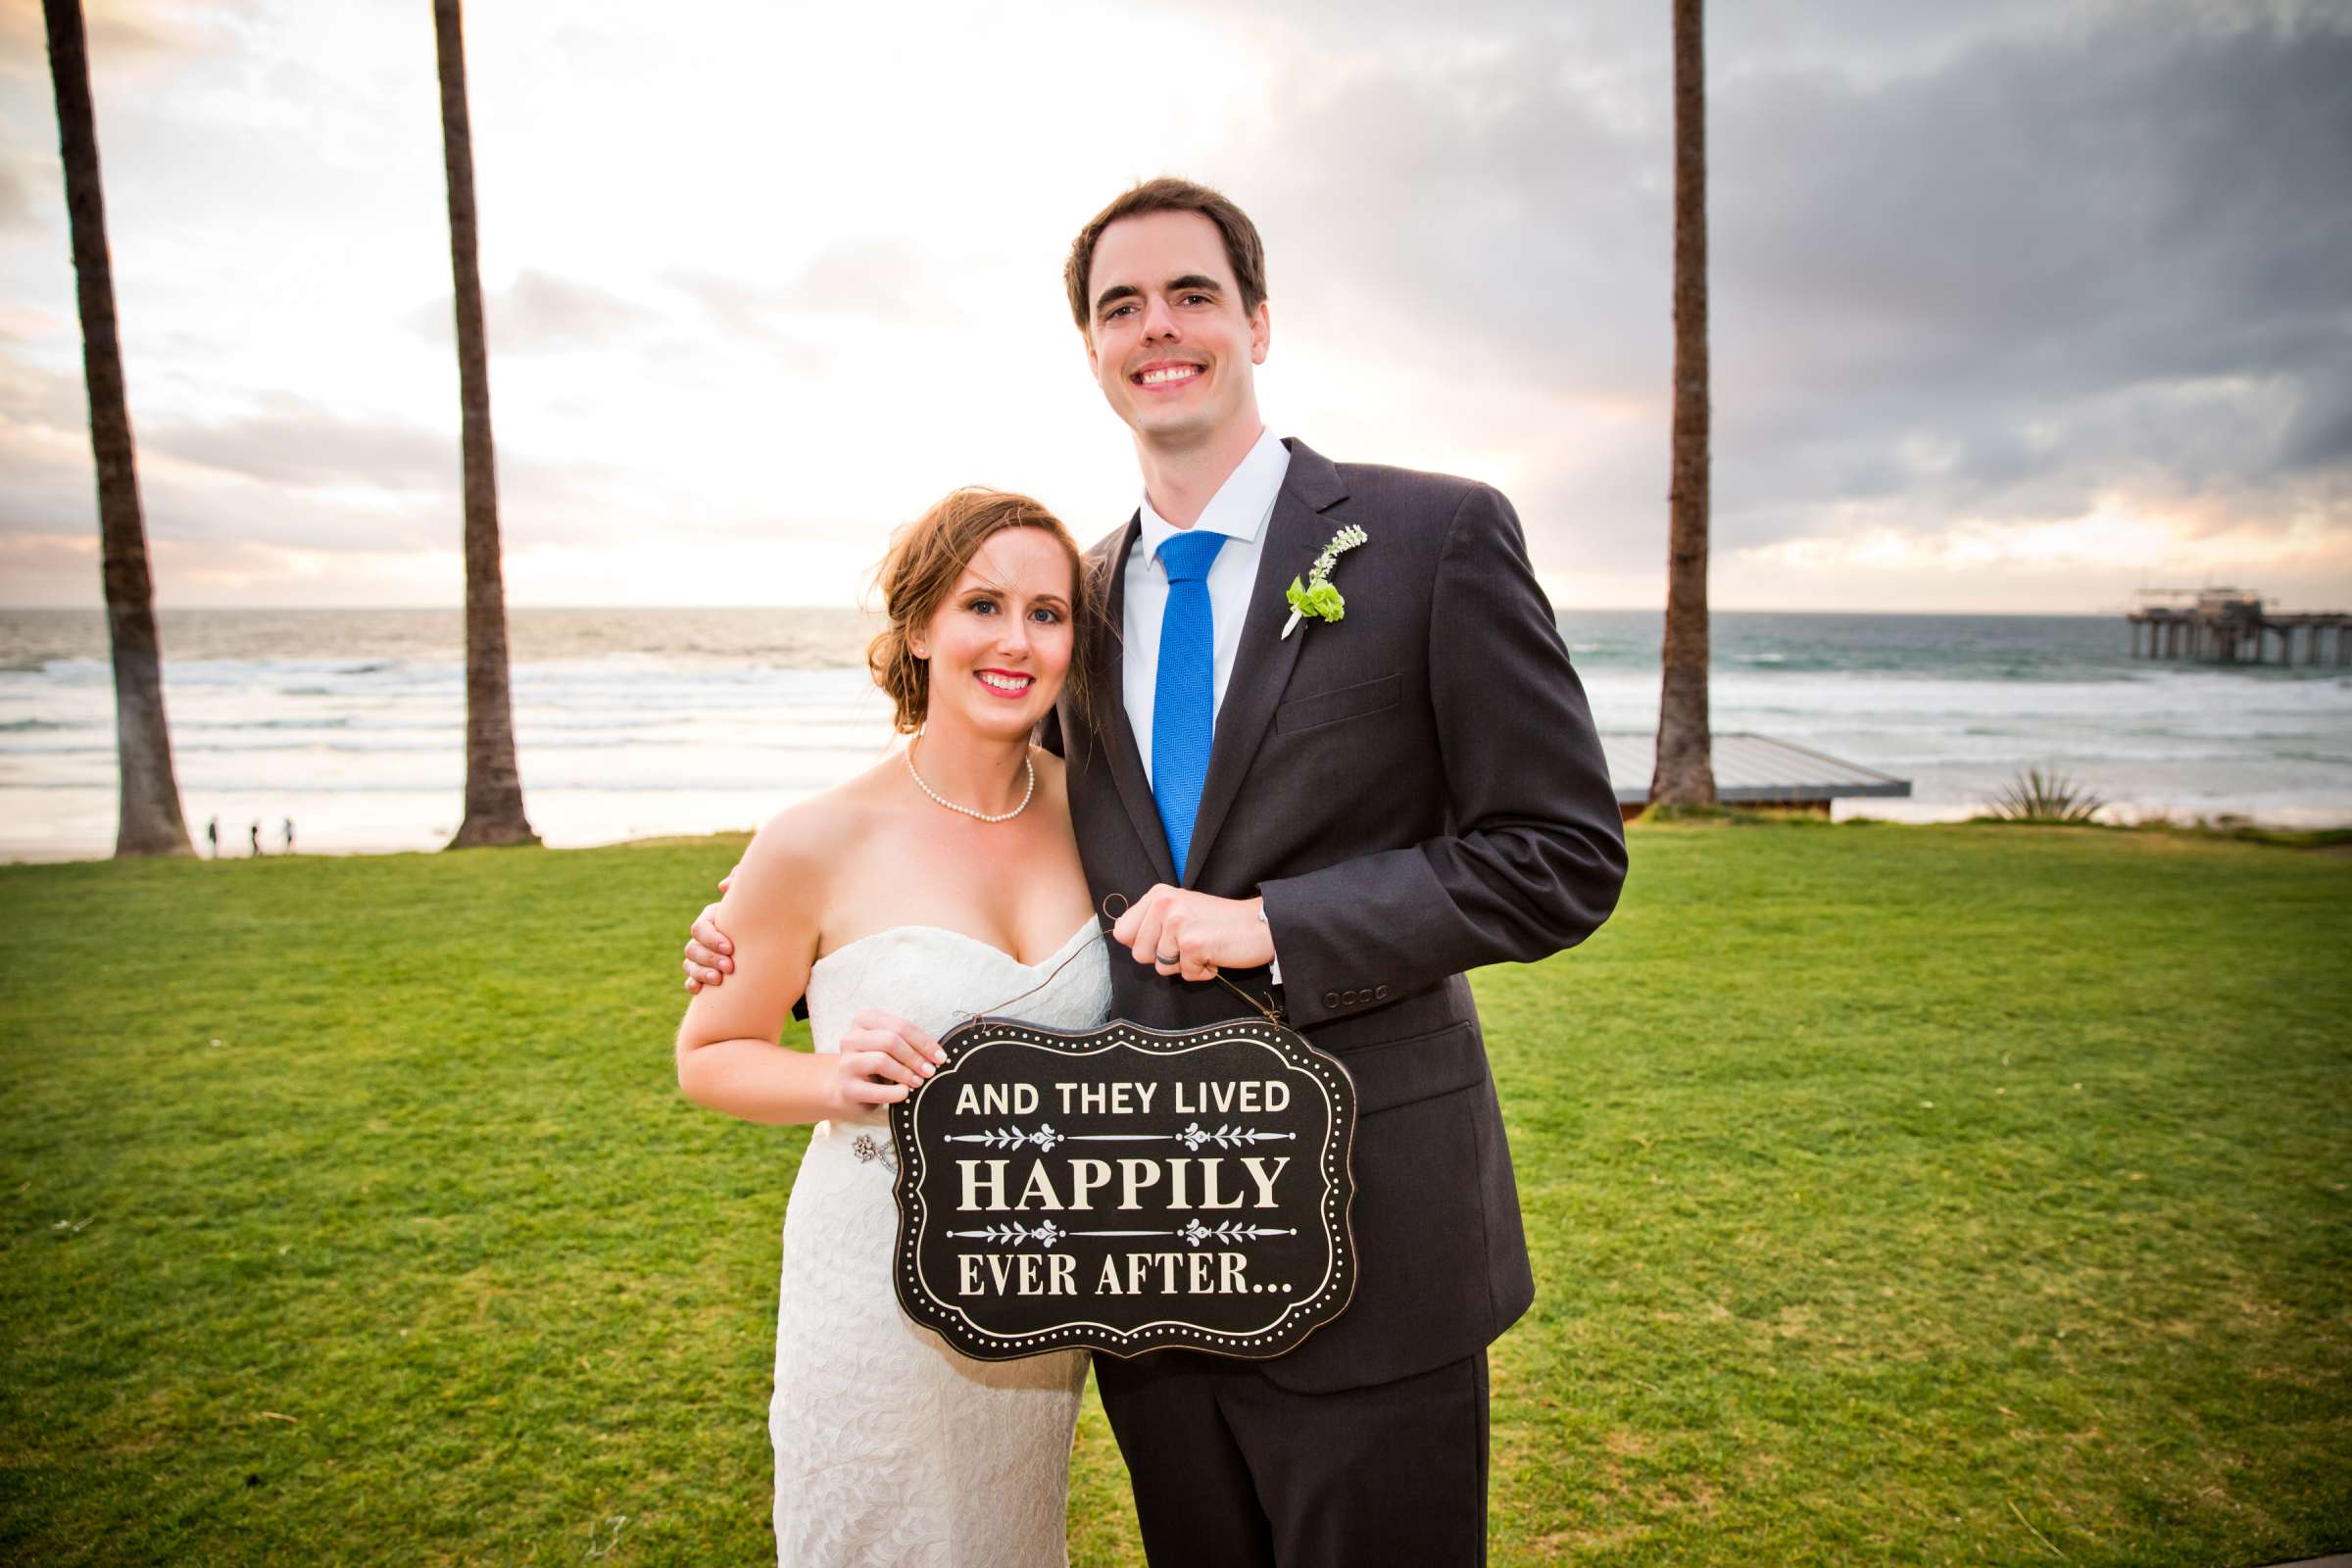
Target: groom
(1347,815)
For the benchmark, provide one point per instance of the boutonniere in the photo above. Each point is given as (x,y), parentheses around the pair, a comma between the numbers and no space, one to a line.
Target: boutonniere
(1316,595)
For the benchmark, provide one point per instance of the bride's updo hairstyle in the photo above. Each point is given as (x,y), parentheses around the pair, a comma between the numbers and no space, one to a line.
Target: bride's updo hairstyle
(927,559)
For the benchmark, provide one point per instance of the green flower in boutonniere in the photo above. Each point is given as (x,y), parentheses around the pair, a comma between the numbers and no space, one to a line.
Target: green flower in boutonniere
(1316,595)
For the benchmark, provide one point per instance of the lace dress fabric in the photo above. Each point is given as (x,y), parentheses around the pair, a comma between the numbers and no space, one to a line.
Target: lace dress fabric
(890,1446)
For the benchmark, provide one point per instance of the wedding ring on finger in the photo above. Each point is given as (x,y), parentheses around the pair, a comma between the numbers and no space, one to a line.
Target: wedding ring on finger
(1170,958)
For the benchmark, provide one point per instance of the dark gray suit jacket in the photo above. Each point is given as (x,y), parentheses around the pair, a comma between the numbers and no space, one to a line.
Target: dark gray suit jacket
(1416,790)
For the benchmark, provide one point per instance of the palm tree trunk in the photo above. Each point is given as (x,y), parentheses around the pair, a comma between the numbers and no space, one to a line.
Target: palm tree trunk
(1685,772)
(149,822)
(493,785)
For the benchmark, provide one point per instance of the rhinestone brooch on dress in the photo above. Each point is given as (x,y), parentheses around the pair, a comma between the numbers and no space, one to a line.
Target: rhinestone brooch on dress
(866,1149)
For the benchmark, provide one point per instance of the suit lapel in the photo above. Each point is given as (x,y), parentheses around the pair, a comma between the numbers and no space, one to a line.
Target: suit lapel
(1295,534)
(1117,732)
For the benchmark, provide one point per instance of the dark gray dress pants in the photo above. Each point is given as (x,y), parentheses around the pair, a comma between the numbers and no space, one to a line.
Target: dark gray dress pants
(1231,1470)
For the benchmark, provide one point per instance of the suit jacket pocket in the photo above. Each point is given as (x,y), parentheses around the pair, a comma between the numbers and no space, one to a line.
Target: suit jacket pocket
(1345,702)
(1399,1072)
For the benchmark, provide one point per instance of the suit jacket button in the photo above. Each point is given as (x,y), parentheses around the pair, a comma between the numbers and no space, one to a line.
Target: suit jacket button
(1331,999)
(1379,993)
(1351,997)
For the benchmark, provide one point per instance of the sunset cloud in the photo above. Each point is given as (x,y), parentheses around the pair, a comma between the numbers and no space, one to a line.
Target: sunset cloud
(2025,303)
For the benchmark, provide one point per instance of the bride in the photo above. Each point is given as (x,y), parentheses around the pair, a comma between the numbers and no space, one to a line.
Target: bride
(941,882)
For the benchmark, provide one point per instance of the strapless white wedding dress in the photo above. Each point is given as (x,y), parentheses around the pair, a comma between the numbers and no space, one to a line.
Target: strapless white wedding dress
(890,1446)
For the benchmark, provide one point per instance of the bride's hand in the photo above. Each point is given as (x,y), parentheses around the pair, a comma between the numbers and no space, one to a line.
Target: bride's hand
(709,955)
(883,1058)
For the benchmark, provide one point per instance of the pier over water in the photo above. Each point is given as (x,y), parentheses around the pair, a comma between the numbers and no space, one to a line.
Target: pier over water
(2230,626)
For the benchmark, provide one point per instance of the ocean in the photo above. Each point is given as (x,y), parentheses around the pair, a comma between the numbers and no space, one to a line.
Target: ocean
(645,723)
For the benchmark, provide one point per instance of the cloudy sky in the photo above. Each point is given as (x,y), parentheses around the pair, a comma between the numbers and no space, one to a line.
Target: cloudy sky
(2017,305)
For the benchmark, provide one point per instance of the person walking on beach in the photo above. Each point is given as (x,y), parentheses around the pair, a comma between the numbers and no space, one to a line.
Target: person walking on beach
(254,837)
(212,836)
(289,835)
(1352,793)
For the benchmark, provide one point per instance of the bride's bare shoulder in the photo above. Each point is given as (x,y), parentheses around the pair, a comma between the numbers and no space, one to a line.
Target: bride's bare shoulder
(805,842)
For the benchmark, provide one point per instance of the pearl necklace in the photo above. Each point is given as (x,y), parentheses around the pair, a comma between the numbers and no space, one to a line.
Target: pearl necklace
(1002,816)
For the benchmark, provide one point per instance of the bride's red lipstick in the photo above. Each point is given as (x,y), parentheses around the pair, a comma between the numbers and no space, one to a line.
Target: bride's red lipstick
(1023,676)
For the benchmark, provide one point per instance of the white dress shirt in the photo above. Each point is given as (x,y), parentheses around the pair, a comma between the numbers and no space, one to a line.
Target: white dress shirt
(1239,510)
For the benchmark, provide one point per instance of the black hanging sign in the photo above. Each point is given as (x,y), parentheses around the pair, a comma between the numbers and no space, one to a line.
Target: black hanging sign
(1125,1189)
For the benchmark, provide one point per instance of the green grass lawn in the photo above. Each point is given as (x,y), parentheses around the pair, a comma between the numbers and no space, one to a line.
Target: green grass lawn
(1953,1195)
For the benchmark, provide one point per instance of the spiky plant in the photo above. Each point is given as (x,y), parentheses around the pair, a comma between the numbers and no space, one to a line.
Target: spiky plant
(2034,796)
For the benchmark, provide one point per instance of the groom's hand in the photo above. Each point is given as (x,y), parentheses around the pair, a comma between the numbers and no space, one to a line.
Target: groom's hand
(1192,934)
(709,955)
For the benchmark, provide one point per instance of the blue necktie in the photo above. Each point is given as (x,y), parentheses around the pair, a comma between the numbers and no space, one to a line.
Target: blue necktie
(1184,696)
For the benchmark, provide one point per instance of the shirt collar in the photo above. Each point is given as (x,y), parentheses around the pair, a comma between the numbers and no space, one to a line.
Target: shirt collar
(1240,507)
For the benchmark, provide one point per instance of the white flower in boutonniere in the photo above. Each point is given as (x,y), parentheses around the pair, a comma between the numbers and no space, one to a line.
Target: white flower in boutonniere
(1316,595)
